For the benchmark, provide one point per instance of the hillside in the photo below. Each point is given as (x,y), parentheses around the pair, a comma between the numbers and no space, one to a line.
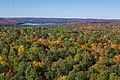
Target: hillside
(58,52)
(38,21)
(4,21)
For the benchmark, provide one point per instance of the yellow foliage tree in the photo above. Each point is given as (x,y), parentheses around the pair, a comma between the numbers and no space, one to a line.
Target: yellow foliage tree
(20,50)
(1,61)
(62,78)
(37,63)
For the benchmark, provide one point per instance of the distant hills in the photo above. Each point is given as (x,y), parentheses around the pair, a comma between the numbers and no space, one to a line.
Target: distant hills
(5,21)
(37,21)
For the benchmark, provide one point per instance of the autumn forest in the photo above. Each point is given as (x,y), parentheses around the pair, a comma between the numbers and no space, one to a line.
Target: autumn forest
(60,52)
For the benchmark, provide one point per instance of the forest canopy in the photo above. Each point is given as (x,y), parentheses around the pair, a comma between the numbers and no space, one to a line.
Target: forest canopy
(59,52)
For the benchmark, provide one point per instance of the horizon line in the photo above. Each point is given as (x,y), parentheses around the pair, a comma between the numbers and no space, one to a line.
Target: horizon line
(55,17)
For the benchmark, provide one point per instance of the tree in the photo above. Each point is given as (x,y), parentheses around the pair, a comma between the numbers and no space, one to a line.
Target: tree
(113,76)
(31,73)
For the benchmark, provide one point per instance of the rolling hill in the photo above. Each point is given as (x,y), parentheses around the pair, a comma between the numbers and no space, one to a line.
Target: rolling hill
(38,21)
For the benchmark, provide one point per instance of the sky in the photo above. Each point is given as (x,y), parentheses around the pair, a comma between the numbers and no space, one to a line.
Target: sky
(61,8)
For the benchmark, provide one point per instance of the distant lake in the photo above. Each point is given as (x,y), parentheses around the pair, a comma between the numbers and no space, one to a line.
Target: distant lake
(39,23)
